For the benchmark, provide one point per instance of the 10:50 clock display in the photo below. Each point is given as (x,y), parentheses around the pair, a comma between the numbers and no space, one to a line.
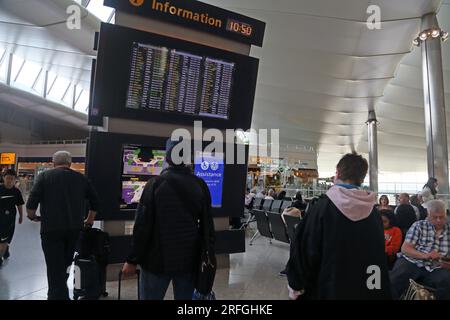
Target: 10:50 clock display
(239,27)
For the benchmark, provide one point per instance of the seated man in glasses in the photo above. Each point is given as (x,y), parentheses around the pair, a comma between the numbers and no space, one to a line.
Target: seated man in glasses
(424,256)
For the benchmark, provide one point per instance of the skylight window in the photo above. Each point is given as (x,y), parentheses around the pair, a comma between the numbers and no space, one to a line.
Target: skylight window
(97,8)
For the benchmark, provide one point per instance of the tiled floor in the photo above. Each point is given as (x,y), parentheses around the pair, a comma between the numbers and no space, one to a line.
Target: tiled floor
(252,275)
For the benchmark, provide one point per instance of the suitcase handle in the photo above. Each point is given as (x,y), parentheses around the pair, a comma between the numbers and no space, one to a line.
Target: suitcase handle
(138,273)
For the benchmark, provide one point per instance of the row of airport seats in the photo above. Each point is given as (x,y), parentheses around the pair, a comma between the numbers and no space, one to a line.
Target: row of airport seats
(267,214)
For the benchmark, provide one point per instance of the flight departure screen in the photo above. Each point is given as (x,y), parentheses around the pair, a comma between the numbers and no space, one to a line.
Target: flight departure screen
(139,164)
(170,80)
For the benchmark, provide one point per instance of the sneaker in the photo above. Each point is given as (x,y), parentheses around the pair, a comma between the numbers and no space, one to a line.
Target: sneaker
(283,273)
(6,255)
(1,261)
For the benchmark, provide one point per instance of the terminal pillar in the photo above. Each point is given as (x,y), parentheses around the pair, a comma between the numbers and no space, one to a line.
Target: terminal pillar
(372,136)
(430,39)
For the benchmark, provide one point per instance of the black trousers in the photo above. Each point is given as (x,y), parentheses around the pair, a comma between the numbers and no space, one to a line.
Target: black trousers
(7,227)
(59,248)
(404,270)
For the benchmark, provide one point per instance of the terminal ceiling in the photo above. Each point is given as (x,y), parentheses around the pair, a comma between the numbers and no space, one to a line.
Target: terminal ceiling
(321,69)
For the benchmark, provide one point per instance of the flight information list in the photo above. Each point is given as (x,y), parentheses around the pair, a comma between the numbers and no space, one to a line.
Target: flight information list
(174,81)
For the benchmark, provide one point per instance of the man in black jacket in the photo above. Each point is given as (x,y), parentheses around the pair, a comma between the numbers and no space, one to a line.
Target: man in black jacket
(338,252)
(405,214)
(167,233)
(63,195)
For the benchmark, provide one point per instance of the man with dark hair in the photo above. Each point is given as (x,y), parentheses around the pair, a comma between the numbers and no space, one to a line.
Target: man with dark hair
(338,252)
(405,214)
(11,201)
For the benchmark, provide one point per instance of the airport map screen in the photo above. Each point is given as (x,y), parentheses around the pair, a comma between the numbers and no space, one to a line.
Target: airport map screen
(170,80)
(139,165)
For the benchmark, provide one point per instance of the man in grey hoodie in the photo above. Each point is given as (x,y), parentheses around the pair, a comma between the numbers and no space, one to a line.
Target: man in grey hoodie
(338,251)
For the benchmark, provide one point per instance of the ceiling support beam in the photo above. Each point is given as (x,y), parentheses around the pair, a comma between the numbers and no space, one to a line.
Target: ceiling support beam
(9,70)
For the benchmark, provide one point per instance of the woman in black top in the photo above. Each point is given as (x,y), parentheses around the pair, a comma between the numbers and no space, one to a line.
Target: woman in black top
(299,203)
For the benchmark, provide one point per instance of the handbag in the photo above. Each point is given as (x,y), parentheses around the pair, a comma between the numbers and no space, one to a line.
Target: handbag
(418,292)
(206,273)
(207,266)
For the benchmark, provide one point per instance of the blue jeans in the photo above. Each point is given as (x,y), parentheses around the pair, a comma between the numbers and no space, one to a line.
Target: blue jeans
(404,270)
(154,287)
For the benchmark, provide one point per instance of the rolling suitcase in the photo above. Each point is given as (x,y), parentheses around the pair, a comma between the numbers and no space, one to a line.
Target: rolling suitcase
(119,294)
(91,262)
(87,283)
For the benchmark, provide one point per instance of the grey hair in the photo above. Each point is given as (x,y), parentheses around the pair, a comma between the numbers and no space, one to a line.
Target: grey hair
(62,158)
(435,206)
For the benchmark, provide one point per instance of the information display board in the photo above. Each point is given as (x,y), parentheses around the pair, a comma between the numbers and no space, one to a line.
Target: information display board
(197,15)
(149,77)
(168,80)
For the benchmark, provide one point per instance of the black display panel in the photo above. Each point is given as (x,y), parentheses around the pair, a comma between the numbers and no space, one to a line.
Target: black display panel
(118,162)
(168,80)
(145,76)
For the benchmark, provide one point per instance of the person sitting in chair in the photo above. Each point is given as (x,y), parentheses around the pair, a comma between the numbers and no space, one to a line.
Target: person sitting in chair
(392,237)
(425,253)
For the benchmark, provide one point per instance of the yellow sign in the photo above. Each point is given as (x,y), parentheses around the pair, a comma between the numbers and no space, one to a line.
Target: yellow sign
(8,158)
(137,3)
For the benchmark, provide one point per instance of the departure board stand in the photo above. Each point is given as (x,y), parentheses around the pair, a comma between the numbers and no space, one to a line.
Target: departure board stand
(164,130)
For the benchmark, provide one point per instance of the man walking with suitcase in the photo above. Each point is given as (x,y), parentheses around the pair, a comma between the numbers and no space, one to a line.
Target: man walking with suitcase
(63,195)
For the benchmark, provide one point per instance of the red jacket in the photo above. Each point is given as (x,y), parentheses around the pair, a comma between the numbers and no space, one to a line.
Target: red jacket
(393,240)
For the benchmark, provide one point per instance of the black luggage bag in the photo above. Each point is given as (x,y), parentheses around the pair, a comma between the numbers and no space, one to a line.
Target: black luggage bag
(91,262)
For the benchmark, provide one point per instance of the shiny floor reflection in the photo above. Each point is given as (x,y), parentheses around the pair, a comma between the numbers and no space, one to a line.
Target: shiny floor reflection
(252,275)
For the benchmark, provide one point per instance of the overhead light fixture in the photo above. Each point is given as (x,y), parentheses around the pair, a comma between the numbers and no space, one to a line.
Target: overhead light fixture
(423,36)
(435,33)
(428,34)
(444,35)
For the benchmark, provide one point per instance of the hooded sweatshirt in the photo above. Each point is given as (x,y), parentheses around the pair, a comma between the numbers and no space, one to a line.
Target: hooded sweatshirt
(337,247)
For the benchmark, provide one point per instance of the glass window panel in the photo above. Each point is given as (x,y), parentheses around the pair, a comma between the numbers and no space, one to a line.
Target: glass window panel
(68,99)
(3,66)
(97,8)
(58,89)
(28,75)
(50,80)
(16,65)
(39,88)
(83,102)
